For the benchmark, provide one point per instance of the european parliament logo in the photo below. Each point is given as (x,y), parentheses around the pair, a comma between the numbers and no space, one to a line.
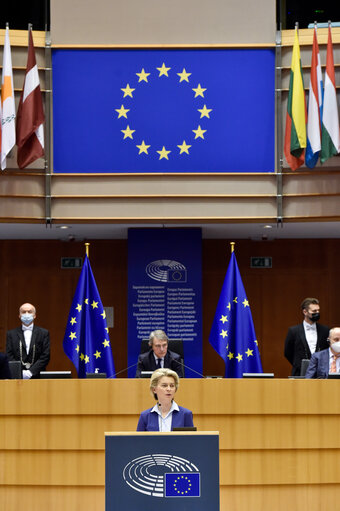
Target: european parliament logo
(165,270)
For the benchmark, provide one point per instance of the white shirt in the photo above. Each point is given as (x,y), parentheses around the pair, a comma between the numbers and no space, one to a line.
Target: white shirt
(159,358)
(165,423)
(27,330)
(331,356)
(311,335)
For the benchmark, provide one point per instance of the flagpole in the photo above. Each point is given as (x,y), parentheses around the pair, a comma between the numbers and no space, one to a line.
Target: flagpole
(232,246)
(87,249)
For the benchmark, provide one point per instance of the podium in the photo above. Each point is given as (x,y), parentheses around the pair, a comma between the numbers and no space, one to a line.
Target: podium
(169,471)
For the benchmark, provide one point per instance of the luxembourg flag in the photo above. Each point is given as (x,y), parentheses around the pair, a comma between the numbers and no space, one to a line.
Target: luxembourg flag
(330,117)
(7,103)
(314,107)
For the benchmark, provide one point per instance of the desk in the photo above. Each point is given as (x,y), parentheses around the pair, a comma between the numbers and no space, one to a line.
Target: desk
(279,441)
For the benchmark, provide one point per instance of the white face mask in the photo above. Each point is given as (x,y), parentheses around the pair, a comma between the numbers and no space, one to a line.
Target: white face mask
(336,347)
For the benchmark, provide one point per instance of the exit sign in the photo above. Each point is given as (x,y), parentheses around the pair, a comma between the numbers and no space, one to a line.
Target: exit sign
(71,262)
(261,262)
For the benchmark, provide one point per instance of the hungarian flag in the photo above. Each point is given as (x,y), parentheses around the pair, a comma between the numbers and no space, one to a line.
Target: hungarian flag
(295,136)
(30,117)
(314,107)
(7,103)
(330,119)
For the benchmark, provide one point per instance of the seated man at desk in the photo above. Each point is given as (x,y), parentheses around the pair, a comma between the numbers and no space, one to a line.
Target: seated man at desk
(159,356)
(328,360)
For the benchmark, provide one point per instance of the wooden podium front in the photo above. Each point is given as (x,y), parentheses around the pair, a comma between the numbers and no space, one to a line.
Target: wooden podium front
(279,443)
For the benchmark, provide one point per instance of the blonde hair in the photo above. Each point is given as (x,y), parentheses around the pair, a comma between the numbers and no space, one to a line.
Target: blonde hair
(158,374)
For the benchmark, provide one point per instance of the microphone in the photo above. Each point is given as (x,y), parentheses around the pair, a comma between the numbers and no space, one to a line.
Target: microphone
(123,370)
(187,367)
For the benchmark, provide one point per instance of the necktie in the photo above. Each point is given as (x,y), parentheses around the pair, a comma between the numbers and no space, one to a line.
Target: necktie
(158,365)
(333,365)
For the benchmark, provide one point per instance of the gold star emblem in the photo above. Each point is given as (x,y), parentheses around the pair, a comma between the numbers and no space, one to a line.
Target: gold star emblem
(86,301)
(163,71)
(239,357)
(103,314)
(199,133)
(199,91)
(205,111)
(79,307)
(184,148)
(224,333)
(224,319)
(77,348)
(143,148)
(73,335)
(127,132)
(106,343)
(163,153)
(122,111)
(94,305)
(230,355)
(82,356)
(245,303)
(249,352)
(235,300)
(128,91)
(143,76)
(107,330)
(256,342)
(97,354)
(229,306)
(86,359)
(73,321)
(184,76)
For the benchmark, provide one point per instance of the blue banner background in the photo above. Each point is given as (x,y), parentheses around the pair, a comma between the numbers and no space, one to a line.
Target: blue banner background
(163,111)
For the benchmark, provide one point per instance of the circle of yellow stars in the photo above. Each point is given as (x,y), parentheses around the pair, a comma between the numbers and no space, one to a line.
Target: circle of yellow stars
(144,146)
(73,334)
(224,333)
(179,487)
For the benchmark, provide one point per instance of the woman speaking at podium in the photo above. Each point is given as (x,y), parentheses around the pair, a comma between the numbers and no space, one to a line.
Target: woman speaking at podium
(166,414)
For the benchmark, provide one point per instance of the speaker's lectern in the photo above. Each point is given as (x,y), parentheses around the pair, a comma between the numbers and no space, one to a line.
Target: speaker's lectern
(168,471)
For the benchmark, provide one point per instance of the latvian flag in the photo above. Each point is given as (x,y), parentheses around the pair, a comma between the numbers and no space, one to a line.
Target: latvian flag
(30,115)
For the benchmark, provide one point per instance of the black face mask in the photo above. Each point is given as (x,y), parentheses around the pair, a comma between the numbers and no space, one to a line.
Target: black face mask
(315,316)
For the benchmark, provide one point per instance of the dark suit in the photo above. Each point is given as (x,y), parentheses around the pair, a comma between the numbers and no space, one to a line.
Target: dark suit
(5,373)
(296,345)
(146,362)
(318,365)
(148,421)
(40,346)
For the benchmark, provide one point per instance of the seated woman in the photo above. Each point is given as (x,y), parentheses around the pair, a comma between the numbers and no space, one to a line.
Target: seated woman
(166,414)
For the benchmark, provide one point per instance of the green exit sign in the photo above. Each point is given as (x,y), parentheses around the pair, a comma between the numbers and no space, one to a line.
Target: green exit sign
(261,262)
(71,262)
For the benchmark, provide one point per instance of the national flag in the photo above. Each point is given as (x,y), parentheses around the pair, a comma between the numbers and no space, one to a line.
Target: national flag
(295,136)
(314,107)
(30,116)
(330,119)
(86,340)
(7,103)
(183,484)
(232,333)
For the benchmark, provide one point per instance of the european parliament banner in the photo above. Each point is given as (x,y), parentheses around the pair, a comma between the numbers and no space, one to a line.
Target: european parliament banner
(165,291)
(162,110)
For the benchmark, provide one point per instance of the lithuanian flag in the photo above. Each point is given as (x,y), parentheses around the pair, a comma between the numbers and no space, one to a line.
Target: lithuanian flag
(296,119)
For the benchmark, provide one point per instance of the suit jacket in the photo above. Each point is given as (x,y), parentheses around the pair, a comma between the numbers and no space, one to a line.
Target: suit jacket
(40,339)
(318,365)
(148,421)
(5,373)
(296,345)
(146,362)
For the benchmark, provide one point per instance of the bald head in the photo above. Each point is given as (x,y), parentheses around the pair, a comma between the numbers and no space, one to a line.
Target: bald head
(27,313)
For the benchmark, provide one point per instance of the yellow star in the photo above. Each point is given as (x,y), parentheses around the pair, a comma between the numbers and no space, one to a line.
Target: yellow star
(235,300)
(230,355)
(127,132)
(103,314)
(224,333)
(77,348)
(229,306)
(97,354)
(86,301)
(73,321)
(107,329)
(82,356)
(79,307)
(73,335)
(163,153)
(224,319)
(143,148)
(239,357)
(184,148)
(205,111)
(163,71)
(199,132)
(86,359)
(122,111)
(128,91)
(106,343)
(256,342)
(249,352)
(199,91)
(94,305)
(245,303)
(184,76)
(143,76)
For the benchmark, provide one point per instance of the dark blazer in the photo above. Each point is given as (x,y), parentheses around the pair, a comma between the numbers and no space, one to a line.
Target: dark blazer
(296,345)
(5,373)
(40,339)
(146,362)
(318,365)
(148,421)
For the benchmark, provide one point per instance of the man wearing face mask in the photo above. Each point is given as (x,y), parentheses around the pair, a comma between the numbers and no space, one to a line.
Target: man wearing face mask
(326,361)
(306,338)
(29,343)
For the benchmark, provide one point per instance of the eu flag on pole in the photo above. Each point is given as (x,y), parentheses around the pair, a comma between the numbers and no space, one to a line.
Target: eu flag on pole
(232,333)
(86,341)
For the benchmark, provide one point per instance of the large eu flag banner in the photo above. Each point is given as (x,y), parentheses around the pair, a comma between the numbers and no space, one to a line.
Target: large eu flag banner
(232,333)
(86,341)
(164,110)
